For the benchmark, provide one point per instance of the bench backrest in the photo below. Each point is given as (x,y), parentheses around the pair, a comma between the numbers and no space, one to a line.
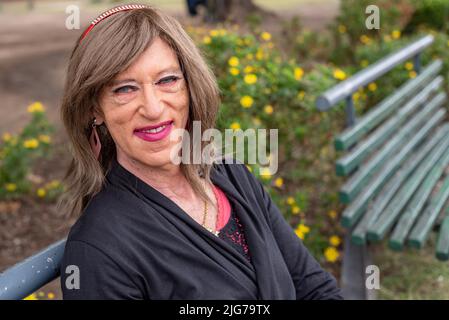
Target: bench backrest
(395,155)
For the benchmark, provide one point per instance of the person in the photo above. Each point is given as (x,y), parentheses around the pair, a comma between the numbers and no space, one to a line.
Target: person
(148,227)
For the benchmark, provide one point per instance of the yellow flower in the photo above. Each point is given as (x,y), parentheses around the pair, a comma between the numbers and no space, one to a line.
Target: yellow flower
(11,187)
(356,96)
(234,71)
(50,295)
(372,86)
(36,107)
(250,56)
(279,182)
(301,230)
(339,74)
(246,101)
(214,33)
(44,138)
(396,34)
(331,254)
(290,200)
(248,69)
(31,143)
(300,234)
(332,214)
(265,173)
(412,74)
(31,297)
(7,136)
(250,78)
(301,95)
(296,209)
(364,63)
(235,126)
(265,36)
(259,54)
(41,192)
(365,39)
(268,109)
(408,66)
(233,61)
(257,121)
(248,41)
(341,28)
(207,40)
(298,73)
(53,184)
(335,241)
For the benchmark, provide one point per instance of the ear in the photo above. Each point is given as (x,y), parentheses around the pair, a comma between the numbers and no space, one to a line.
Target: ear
(99,118)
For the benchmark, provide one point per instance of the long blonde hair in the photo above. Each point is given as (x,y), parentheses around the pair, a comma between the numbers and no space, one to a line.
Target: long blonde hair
(106,51)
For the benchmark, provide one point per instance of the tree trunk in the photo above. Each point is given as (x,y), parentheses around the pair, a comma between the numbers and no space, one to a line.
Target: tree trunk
(234,10)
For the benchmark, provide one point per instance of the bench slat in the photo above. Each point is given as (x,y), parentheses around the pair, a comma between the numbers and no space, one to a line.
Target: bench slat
(438,157)
(353,212)
(378,204)
(353,186)
(386,107)
(422,228)
(350,161)
(415,206)
(442,249)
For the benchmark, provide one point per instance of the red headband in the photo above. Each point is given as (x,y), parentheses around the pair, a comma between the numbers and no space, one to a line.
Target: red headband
(109,13)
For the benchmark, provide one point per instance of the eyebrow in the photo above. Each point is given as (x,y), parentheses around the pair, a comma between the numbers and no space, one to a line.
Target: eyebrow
(169,69)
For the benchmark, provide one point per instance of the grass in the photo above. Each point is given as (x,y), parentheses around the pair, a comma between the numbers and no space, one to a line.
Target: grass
(412,274)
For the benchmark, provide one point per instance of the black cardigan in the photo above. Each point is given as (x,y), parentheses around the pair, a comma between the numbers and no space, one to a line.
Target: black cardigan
(132,242)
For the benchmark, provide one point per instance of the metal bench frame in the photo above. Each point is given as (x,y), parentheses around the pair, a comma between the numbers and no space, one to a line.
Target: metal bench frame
(357,257)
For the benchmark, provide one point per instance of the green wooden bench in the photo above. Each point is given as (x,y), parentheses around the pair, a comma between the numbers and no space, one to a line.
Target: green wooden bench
(394,158)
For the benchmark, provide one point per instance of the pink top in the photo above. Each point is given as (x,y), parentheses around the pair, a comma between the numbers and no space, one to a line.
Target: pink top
(224,208)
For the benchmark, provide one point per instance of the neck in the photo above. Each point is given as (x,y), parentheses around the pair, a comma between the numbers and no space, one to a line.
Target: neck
(167,179)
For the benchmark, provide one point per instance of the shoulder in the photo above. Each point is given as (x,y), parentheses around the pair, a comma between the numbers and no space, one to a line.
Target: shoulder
(106,218)
(243,180)
(237,171)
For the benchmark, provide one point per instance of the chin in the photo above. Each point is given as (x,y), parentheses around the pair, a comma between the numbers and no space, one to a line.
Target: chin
(156,159)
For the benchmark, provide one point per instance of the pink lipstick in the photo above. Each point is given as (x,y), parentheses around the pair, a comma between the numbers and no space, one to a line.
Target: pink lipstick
(155,132)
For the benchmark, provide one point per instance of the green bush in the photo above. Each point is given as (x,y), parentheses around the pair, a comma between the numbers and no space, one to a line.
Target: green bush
(19,152)
(429,13)
(261,88)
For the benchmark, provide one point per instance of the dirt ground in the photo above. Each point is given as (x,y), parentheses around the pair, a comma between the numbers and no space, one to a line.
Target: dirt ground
(34,49)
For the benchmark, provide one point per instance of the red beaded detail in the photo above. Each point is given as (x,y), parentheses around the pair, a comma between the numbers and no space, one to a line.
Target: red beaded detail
(231,229)
(109,13)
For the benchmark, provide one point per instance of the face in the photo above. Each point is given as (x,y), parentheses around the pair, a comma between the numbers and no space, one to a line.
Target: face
(143,104)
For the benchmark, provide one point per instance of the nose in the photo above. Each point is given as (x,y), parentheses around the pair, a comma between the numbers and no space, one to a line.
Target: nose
(152,106)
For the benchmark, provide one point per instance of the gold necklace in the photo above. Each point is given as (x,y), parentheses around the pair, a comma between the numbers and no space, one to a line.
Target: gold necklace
(215,232)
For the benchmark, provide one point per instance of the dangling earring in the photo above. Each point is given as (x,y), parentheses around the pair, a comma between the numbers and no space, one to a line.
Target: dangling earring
(94,140)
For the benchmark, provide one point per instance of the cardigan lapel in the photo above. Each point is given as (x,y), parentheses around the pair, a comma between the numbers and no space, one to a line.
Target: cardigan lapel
(257,233)
(221,252)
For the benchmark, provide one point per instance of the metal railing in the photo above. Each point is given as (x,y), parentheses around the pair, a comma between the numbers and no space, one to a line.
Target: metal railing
(345,89)
(34,272)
